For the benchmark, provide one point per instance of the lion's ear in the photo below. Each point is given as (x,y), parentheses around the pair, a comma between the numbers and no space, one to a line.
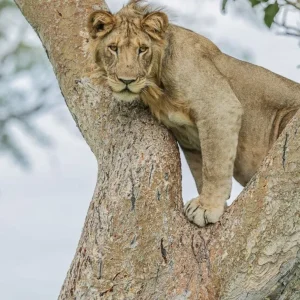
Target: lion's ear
(155,24)
(100,23)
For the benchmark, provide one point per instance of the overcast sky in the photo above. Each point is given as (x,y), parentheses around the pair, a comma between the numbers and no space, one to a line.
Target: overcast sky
(42,211)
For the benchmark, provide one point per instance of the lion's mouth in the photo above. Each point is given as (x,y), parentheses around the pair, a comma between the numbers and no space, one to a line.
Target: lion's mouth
(125,95)
(126,92)
(134,87)
(127,89)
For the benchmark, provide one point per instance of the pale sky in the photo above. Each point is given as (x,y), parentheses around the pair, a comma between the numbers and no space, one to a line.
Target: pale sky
(42,211)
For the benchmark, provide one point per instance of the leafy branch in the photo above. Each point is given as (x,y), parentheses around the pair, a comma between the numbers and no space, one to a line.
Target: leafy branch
(277,13)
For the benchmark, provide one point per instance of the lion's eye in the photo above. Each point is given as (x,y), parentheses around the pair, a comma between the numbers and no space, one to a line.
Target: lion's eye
(143,49)
(113,48)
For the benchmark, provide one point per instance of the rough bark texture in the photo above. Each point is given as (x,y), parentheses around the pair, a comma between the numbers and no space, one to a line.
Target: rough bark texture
(136,243)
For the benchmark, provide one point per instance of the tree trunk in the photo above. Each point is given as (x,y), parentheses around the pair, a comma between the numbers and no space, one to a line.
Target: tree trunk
(136,243)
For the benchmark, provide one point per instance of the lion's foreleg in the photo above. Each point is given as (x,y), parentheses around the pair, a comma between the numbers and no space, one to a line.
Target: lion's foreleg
(194,160)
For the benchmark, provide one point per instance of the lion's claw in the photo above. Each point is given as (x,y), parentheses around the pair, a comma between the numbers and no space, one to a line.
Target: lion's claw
(200,214)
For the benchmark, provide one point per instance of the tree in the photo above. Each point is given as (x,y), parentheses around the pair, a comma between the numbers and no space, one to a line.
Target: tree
(136,243)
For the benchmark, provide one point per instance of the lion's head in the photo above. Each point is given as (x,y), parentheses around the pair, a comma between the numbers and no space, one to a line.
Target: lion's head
(128,47)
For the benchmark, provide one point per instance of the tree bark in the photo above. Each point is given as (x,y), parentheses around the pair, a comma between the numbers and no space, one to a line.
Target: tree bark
(136,243)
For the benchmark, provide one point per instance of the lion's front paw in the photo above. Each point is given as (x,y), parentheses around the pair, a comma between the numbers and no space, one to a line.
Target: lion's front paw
(200,214)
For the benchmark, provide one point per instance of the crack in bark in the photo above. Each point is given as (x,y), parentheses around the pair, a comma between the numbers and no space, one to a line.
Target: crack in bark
(206,255)
(151,173)
(133,198)
(107,291)
(100,269)
(284,150)
(116,276)
(194,251)
(163,250)
(158,194)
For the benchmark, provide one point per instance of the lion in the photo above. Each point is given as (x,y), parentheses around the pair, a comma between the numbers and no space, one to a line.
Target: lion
(225,113)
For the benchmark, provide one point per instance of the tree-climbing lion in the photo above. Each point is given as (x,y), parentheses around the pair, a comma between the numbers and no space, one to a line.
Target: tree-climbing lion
(224,113)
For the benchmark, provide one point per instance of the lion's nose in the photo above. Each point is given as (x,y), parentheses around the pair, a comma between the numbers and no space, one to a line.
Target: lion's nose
(127,81)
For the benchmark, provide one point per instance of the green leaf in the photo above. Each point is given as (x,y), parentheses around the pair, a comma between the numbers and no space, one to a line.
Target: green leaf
(224,2)
(270,13)
(255,2)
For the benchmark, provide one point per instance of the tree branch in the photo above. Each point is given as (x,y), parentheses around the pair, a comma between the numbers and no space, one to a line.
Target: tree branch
(288,30)
(293,4)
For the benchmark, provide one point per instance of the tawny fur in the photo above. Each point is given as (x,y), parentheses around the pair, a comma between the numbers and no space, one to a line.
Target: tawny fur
(225,113)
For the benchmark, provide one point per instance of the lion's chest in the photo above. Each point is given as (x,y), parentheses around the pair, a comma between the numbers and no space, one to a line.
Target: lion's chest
(183,128)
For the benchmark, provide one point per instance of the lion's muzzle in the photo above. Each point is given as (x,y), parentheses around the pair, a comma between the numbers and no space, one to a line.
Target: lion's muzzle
(126,86)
